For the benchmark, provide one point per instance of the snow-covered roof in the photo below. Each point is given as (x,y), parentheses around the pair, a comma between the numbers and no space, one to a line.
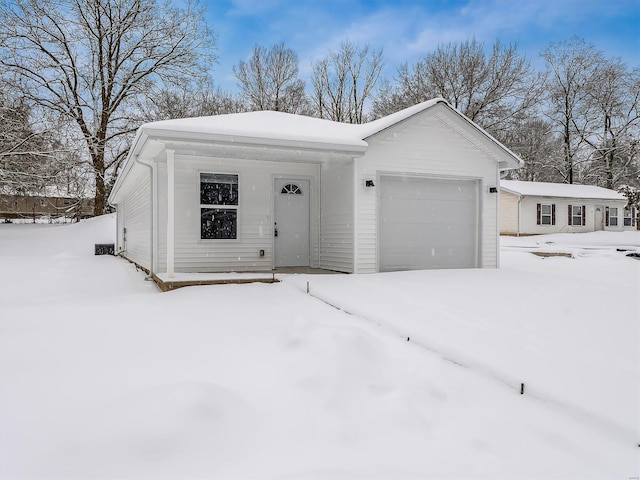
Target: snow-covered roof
(285,131)
(285,127)
(563,190)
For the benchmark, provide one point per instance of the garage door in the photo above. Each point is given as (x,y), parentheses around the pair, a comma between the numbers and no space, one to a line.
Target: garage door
(427,223)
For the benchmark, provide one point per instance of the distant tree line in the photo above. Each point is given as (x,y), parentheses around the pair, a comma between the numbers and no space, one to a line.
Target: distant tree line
(80,76)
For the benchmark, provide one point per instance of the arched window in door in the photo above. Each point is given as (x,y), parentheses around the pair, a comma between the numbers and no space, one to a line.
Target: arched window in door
(291,189)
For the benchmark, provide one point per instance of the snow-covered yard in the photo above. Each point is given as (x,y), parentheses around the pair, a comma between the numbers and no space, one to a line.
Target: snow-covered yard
(398,375)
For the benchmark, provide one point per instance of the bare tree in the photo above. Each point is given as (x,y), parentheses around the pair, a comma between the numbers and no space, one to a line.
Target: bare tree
(269,80)
(27,151)
(87,61)
(189,101)
(535,142)
(343,82)
(570,65)
(612,106)
(492,90)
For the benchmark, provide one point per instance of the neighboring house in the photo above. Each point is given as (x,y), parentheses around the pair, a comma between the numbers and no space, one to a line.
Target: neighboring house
(258,191)
(533,208)
(36,206)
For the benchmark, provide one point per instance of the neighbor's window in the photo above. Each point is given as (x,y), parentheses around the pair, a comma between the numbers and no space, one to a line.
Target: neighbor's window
(546,214)
(628,217)
(576,215)
(218,206)
(613,216)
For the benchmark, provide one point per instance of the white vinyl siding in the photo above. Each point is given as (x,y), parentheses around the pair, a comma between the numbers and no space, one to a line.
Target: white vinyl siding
(255,218)
(134,211)
(425,145)
(509,214)
(336,220)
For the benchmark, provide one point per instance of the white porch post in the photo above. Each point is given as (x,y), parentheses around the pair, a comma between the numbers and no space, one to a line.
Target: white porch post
(170,214)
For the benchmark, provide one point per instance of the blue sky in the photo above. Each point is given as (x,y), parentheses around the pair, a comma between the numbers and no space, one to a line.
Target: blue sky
(408,29)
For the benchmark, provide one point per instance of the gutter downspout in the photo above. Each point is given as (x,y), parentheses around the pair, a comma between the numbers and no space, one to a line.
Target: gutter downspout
(520,198)
(151,239)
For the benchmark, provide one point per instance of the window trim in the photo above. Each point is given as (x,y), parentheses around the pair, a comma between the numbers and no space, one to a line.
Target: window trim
(551,215)
(573,216)
(631,217)
(206,206)
(613,219)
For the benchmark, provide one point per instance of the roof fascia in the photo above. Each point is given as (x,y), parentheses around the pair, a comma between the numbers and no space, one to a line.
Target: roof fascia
(582,199)
(138,143)
(176,135)
(404,118)
(512,162)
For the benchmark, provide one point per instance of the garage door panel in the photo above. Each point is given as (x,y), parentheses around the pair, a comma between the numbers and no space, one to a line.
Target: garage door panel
(427,223)
(435,257)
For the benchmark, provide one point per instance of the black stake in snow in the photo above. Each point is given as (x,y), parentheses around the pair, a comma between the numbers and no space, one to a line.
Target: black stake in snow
(307,287)
(522,389)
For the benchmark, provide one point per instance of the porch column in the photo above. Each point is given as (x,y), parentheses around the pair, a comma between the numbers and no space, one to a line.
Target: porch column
(170,214)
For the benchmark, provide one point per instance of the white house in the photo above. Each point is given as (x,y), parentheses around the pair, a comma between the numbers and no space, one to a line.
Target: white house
(263,190)
(532,208)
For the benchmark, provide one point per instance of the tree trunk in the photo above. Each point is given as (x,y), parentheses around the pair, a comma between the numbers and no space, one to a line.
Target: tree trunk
(100,193)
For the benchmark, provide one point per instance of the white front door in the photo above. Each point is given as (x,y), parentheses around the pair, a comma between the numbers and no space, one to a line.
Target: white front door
(291,229)
(599,218)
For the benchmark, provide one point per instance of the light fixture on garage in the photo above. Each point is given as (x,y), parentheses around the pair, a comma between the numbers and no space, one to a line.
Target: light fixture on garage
(369,183)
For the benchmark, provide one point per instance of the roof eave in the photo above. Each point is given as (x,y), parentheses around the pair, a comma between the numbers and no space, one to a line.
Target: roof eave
(137,145)
(146,134)
(351,147)
(544,195)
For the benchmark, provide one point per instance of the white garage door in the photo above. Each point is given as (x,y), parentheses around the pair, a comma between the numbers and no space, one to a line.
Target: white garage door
(427,223)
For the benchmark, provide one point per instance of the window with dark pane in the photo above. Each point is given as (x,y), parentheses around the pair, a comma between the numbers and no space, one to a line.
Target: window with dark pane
(218,190)
(291,189)
(218,223)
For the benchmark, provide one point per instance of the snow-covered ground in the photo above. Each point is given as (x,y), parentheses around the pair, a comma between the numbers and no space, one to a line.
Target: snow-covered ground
(397,375)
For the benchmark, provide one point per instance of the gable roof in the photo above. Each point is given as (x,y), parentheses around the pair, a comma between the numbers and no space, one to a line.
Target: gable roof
(562,190)
(286,128)
(290,130)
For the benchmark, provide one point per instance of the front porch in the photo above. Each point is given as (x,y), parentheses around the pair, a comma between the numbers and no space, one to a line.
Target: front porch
(166,282)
